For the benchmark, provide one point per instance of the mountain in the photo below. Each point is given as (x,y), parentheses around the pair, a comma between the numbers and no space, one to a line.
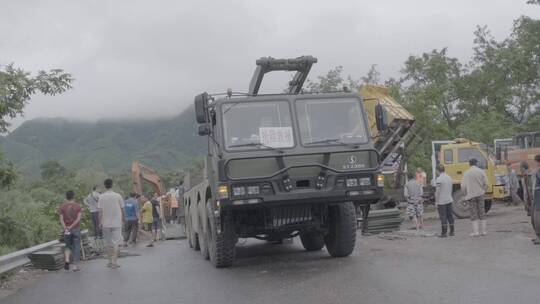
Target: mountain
(165,144)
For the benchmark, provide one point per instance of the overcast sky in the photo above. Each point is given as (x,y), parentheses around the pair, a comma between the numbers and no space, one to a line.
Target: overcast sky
(149,58)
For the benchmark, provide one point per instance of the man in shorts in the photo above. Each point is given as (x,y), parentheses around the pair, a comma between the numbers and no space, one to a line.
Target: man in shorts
(156,219)
(475,186)
(70,217)
(146,213)
(111,213)
(415,208)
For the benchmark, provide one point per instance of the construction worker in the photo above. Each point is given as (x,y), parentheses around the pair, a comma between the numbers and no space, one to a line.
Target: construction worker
(475,185)
(513,184)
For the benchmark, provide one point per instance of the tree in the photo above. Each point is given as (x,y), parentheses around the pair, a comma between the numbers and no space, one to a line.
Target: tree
(8,174)
(17,87)
(373,76)
(52,168)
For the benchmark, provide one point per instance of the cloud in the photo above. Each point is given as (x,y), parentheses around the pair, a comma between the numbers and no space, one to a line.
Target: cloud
(134,59)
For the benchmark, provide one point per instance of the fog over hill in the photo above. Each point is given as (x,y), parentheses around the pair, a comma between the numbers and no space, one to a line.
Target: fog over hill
(166,144)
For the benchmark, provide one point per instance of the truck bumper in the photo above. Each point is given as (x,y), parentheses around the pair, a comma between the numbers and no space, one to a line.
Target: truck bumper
(357,196)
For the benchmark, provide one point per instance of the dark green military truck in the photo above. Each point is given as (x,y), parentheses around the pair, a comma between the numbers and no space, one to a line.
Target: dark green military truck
(282,165)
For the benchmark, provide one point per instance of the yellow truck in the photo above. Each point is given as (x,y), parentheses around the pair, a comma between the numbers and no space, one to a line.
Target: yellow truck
(455,155)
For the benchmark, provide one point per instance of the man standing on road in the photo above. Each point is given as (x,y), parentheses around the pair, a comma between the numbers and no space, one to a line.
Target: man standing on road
(513,184)
(70,217)
(536,204)
(415,208)
(131,211)
(91,202)
(156,219)
(111,207)
(444,200)
(475,185)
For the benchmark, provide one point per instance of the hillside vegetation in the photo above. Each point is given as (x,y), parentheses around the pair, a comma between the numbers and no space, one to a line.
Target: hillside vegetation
(166,144)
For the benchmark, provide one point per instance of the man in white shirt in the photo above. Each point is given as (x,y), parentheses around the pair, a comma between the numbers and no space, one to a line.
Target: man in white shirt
(111,213)
(475,185)
(444,200)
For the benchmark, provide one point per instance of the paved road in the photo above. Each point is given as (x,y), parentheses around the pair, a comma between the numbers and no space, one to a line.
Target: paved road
(503,267)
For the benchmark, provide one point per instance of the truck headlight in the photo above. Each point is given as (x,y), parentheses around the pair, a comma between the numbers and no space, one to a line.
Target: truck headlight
(238,191)
(223,192)
(351,182)
(365,181)
(253,190)
(380,180)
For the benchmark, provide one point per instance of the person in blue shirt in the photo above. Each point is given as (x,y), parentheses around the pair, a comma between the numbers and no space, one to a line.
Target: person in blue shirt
(132,215)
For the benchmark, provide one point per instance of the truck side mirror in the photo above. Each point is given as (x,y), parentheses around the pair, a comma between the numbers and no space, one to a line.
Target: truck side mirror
(381,118)
(204,130)
(201,106)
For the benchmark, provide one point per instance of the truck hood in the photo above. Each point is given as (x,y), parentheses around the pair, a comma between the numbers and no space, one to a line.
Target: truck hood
(298,165)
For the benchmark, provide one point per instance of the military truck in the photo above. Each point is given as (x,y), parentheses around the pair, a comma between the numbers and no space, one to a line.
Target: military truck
(286,165)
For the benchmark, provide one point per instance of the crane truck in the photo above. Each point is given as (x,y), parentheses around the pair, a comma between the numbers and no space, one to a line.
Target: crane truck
(292,164)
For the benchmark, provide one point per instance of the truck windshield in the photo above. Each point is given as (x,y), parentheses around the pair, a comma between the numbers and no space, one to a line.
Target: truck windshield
(331,122)
(257,125)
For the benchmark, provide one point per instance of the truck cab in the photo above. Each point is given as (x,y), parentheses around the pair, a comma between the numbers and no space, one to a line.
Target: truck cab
(455,156)
(280,166)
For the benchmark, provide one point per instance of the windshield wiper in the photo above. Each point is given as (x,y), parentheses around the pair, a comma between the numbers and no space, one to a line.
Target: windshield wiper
(257,144)
(331,140)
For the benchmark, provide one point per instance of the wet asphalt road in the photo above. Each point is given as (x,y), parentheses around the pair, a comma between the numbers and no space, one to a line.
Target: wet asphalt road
(503,267)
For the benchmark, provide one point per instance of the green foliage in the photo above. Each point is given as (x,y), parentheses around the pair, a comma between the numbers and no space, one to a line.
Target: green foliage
(52,169)
(8,174)
(17,86)
(166,144)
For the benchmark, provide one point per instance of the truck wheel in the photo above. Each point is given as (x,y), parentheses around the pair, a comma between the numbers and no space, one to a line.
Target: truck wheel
(191,234)
(221,245)
(203,240)
(312,241)
(460,206)
(341,236)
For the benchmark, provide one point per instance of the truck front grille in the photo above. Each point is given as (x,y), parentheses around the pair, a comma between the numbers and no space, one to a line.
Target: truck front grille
(286,216)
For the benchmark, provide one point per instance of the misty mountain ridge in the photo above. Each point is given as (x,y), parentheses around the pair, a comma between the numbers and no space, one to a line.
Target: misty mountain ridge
(165,144)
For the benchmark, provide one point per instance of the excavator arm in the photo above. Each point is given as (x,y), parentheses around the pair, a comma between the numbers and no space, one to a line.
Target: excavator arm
(140,173)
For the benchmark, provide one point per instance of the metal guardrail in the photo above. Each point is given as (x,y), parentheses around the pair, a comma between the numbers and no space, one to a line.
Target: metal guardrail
(20,258)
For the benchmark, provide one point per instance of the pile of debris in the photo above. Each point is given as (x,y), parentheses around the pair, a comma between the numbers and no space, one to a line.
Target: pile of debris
(386,220)
(49,259)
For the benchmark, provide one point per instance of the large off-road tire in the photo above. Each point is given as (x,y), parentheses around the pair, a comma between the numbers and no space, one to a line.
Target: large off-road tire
(203,239)
(461,207)
(312,241)
(341,236)
(191,234)
(221,246)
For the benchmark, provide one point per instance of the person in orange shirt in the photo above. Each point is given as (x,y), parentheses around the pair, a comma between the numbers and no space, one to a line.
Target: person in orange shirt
(421,177)
(174,206)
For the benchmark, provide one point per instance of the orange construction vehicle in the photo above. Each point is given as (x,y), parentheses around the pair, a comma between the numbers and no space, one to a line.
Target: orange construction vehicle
(524,147)
(139,173)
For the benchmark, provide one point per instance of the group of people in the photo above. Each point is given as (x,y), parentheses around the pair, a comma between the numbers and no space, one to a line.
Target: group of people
(474,186)
(107,210)
(115,221)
